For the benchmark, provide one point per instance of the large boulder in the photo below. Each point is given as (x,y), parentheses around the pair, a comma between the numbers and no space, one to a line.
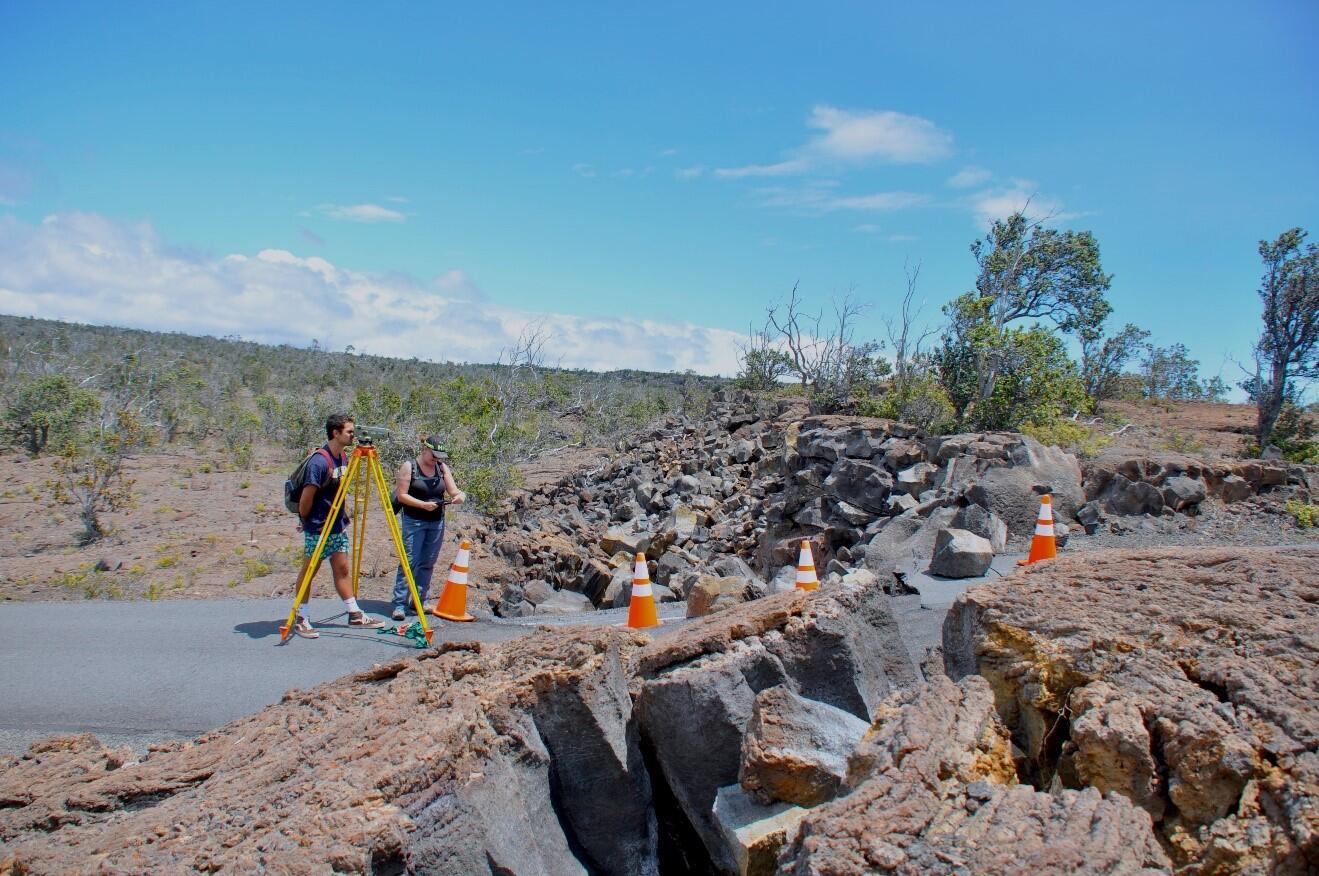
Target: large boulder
(1234,488)
(860,483)
(565,602)
(713,593)
(1013,490)
(916,478)
(960,554)
(906,543)
(753,832)
(1125,497)
(984,523)
(1181,493)
(631,537)
(795,750)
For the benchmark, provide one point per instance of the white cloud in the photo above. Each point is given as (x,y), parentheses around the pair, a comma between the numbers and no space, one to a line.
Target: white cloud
(689,172)
(583,169)
(668,153)
(1021,195)
(870,135)
(84,267)
(867,228)
(782,168)
(360,213)
(821,196)
(969,176)
(856,137)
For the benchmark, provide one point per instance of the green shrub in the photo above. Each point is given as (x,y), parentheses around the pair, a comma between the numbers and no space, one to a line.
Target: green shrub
(1305,515)
(922,403)
(1179,442)
(1069,435)
(47,412)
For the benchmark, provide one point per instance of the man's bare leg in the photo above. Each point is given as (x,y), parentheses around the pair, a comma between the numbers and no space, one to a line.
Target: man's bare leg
(339,567)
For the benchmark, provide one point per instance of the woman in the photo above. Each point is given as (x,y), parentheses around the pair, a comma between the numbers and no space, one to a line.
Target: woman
(423,487)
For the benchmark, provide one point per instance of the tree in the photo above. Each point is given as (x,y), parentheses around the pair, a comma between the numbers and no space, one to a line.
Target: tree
(1288,347)
(46,410)
(906,339)
(1037,382)
(90,473)
(1027,271)
(762,364)
(1170,373)
(1103,358)
(825,358)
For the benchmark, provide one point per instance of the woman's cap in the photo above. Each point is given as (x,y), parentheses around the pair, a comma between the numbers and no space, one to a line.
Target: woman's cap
(436,446)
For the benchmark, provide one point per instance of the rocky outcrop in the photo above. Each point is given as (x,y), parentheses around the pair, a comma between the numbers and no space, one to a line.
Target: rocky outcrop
(1179,484)
(933,789)
(1184,681)
(441,764)
(589,751)
(699,686)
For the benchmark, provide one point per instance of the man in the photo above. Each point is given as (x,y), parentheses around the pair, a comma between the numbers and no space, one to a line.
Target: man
(322,482)
(422,487)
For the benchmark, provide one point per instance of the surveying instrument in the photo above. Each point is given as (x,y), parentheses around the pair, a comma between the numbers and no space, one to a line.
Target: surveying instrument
(364,458)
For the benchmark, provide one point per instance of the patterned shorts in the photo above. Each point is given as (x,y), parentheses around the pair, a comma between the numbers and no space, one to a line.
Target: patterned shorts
(337,543)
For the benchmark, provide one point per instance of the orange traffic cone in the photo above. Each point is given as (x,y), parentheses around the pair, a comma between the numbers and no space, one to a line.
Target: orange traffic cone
(1042,547)
(641,611)
(806,577)
(452,604)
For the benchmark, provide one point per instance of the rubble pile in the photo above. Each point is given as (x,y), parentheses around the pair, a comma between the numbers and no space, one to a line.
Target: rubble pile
(720,506)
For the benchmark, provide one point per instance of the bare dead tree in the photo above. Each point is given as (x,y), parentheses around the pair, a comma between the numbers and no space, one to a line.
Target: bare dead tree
(907,341)
(517,378)
(822,353)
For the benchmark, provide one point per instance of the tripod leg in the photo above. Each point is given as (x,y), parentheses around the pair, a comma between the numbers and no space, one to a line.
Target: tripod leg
(305,585)
(361,499)
(392,522)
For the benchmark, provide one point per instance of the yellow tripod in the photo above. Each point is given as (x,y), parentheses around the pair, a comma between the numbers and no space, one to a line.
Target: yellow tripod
(361,487)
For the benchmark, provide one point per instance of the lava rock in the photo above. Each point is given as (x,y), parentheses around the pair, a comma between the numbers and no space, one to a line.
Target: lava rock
(960,554)
(795,750)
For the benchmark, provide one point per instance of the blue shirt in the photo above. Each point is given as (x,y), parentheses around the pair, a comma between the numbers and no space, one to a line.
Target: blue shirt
(326,481)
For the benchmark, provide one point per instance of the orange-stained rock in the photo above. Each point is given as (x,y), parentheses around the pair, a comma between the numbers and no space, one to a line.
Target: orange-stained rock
(933,790)
(1186,681)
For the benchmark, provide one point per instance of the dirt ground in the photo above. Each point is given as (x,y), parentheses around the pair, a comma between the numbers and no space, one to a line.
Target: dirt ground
(192,532)
(1205,430)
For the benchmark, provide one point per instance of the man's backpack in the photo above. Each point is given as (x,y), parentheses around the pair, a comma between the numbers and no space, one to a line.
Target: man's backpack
(296,481)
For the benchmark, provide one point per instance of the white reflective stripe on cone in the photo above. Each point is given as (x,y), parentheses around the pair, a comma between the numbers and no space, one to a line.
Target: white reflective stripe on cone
(640,571)
(457,577)
(1044,529)
(642,589)
(1046,511)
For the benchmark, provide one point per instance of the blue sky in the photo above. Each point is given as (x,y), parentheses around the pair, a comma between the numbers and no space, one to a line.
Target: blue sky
(420,180)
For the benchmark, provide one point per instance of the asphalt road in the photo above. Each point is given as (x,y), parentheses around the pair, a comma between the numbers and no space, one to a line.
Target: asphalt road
(135,673)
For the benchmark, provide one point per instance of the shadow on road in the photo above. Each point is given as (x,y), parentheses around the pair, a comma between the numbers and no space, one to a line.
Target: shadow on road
(258,629)
(266,628)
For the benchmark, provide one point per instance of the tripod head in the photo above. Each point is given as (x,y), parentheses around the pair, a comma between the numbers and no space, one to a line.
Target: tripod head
(367,436)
